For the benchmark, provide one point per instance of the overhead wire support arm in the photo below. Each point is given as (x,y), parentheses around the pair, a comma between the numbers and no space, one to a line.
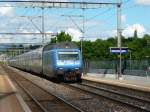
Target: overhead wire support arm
(30,18)
(35,26)
(73,21)
(58,4)
(7,33)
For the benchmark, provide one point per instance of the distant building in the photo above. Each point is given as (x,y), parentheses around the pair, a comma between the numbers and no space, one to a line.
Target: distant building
(3,58)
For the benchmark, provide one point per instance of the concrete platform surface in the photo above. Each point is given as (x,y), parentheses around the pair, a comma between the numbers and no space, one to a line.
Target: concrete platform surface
(133,82)
(10,100)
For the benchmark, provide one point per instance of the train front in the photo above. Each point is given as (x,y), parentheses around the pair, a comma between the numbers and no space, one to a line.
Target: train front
(69,64)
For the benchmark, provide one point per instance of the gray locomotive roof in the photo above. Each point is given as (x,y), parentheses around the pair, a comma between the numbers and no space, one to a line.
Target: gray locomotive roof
(62,45)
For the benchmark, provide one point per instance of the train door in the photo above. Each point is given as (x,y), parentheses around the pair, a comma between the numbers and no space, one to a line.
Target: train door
(47,65)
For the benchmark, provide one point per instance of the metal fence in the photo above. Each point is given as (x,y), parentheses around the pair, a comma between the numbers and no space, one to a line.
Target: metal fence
(129,67)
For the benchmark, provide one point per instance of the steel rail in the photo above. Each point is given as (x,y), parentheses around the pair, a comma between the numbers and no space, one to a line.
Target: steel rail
(114,99)
(32,97)
(57,97)
(61,99)
(115,92)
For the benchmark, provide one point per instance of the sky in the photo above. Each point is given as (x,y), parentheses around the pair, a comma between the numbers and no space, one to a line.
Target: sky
(98,23)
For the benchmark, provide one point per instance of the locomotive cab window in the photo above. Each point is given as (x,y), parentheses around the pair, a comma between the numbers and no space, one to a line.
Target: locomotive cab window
(68,56)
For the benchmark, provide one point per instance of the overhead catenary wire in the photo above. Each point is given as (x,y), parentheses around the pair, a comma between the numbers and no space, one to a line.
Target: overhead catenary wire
(99,14)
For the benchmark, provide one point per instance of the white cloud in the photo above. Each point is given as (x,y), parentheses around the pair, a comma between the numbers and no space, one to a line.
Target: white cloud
(76,34)
(5,39)
(20,38)
(123,17)
(143,2)
(6,11)
(129,31)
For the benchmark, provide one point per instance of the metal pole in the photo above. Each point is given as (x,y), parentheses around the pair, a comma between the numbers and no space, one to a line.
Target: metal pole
(43,30)
(23,49)
(83,31)
(81,45)
(119,35)
(130,59)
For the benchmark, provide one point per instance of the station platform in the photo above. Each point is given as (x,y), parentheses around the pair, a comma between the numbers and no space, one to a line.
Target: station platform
(128,81)
(10,100)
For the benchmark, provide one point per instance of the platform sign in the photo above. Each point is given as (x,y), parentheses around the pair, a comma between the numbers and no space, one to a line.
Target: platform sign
(117,50)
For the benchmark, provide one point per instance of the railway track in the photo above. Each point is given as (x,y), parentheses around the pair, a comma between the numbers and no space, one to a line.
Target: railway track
(81,96)
(43,100)
(140,104)
(124,98)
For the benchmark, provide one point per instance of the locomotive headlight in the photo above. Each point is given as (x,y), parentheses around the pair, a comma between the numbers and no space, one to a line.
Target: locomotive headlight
(60,70)
(77,70)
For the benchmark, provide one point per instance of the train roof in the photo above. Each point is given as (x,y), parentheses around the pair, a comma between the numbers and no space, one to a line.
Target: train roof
(62,45)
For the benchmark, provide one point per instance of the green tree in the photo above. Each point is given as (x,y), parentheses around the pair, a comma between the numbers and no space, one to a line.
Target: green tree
(88,50)
(99,49)
(53,40)
(61,37)
(146,37)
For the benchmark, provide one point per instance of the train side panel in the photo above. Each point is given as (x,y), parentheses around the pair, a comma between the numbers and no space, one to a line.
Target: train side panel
(49,62)
(36,62)
(31,61)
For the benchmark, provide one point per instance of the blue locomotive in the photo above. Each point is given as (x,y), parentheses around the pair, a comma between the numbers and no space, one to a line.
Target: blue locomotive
(62,61)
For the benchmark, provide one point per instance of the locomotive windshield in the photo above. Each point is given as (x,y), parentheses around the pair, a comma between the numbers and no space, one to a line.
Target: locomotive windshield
(68,55)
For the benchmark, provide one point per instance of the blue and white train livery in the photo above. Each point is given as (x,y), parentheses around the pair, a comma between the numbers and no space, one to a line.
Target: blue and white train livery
(62,61)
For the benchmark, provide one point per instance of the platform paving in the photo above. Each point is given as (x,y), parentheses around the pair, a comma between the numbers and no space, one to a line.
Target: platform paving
(10,99)
(135,82)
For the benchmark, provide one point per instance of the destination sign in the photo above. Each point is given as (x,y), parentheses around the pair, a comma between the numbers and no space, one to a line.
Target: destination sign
(117,50)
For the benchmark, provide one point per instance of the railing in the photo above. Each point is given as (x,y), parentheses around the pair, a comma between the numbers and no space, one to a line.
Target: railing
(129,67)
